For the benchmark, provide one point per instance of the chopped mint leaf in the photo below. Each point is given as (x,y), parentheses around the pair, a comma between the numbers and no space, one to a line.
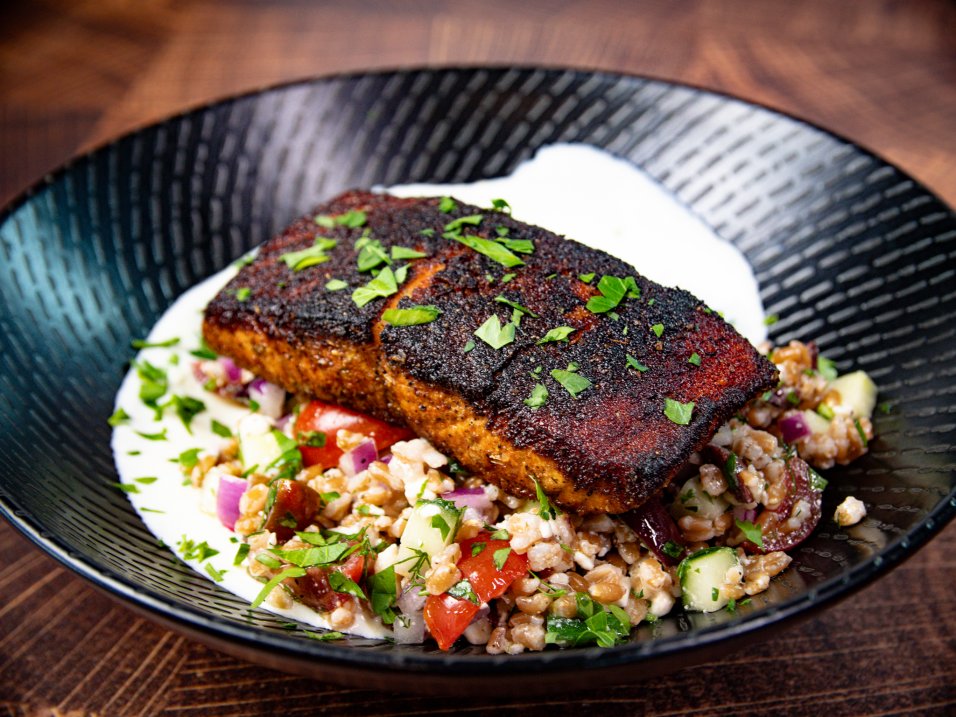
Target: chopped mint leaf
(679,413)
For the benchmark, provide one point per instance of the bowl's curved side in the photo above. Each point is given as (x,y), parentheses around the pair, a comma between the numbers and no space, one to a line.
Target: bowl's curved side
(847,250)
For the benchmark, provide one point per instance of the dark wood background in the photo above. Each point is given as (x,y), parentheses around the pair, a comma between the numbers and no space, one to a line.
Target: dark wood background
(75,74)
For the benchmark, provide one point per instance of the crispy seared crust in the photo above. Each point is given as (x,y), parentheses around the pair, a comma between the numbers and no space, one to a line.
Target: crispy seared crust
(609,449)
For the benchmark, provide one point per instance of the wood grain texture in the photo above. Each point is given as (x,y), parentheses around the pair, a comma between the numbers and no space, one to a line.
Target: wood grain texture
(74,74)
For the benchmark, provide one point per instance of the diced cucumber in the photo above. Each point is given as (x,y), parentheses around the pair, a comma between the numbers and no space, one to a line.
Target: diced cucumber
(815,422)
(259,444)
(701,576)
(431,527)
(857,393)
(694,500)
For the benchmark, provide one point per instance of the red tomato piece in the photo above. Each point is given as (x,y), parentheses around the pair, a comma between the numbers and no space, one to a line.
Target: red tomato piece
(329,419)
(486,579)
(447,617)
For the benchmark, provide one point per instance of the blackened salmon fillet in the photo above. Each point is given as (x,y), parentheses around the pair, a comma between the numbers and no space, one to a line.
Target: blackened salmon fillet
(583,377)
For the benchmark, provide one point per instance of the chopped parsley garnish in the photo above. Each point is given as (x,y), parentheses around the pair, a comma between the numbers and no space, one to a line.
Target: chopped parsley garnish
(538,397)
(381,286)
(342,583)
(336,285)
(546,511)
(144,344)
(404,252)
(161,436)
(771,319)
(859,429)
(825,410)
(145,480)
(383,589)
(154,383)
(455,225)
(189,458)
(505,278)
(219,429)
(464,591)
(494,334)
(694,359)
(293,572)
(677,412)
(500,205)
(635,364)
(315,254)
(316,555)
(605,626)
(119,415)
(559,333)
(241,554)
(500,556)
(730,469)
(817,481)
(243,293)
(371,254)
(587,278)
(126,487)
(751,532)
(658,329)
(491,249)
(195,551)
(517,307)
(476,548)
(574,383)
(187,408)
(613,291)
(446,205)
(351,219)
(672,549)
(213,573)
(411,316)
(469,345)
(827,368)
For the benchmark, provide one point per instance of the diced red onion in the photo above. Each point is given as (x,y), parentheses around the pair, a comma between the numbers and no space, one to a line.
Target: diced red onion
(359,458)
(271,398)
(793,427)
(386,459)
(233,372)
(282,422)
(230,491)
(742,512)
(473,500)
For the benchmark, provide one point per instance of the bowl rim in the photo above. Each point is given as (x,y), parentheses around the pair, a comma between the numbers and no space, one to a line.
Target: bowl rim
(453,665)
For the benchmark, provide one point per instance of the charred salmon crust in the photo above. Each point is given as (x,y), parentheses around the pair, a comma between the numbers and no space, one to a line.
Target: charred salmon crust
(604,446)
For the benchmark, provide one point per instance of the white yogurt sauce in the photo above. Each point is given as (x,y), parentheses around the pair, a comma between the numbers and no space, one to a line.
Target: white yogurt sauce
(574,190)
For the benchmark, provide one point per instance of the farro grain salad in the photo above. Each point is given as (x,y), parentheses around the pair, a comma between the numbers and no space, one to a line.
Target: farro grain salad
(685,467)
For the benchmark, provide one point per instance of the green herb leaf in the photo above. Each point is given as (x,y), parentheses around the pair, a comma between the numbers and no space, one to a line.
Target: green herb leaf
(476,548)
(635,364)
(559,333)
(860,431)
(317,555)
(694,359)
(573,383)
(500,205)
(404,252)
(658,329)
(381,286)
(679,413)
(469,345)
(538,397)
(817,481)
(491,249)
(464,591)
(241,554)
(144,344)
(336,285)
(517,307)
(383,589)
(274,582)
(187,408)
(243,293)
(546,511)
(751,532)
(161,436)
(446,205)
(219,429)
(213,573)
(494,334)
(613,290)
(118,417)
(500,556)
(411,316)
(827,368)
(342,583)
(771,319)
(352,219)
(505,278)
(126,487)
(587,278)
(371,254)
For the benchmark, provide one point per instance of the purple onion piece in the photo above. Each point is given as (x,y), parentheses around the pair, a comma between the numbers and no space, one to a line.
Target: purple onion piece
(793,427)
(386,459)
(271,398)
(742,512)
(359,458)
(474,498)
(230,491)
(233,372)
(658,531)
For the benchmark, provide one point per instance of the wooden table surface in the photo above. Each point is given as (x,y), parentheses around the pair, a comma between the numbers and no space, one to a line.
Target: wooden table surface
(76,73)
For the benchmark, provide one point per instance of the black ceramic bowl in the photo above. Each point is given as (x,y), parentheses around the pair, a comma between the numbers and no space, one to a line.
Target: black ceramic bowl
(847,251)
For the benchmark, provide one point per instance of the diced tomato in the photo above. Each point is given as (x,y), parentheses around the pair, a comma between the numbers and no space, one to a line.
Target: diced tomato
(447,617)
(293,508)
(329,419)
(486,579)
(314,590)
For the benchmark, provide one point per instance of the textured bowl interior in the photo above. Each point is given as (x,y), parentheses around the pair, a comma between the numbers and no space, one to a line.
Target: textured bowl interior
(847,250)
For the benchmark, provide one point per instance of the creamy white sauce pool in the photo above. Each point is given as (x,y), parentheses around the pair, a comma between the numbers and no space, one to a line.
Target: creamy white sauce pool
(574,190)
